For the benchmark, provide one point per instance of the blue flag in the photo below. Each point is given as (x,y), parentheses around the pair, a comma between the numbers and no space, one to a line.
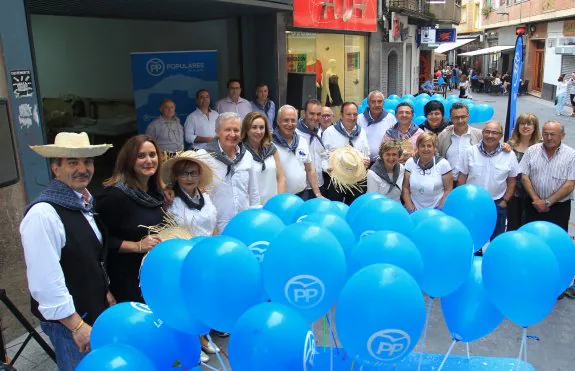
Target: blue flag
(515,83)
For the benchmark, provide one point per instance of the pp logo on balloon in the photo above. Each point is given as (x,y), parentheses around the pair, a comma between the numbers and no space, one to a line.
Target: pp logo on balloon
(304,291)
(259,249)
(309,351)
(366,233)
(388,345)
(141,307)
(301,218)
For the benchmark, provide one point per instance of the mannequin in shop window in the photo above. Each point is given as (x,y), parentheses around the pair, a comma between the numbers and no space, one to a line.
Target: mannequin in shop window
(333,98)
(314,65)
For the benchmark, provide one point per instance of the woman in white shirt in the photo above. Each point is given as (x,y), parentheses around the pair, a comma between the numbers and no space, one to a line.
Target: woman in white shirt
(561,94)
(427,180)
(464,88)
(385,176)
(257,138)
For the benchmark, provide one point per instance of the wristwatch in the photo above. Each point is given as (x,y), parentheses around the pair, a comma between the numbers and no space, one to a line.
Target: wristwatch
(547,203)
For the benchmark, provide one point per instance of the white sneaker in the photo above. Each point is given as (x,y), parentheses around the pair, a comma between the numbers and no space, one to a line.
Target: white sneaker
(210,349)
(204,357)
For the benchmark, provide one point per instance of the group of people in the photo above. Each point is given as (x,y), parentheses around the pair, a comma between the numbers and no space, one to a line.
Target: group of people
(84,252)
(565,90)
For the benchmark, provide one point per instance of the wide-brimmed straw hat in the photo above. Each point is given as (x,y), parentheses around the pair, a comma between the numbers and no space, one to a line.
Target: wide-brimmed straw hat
(348,170)
(200,157)
(71,145)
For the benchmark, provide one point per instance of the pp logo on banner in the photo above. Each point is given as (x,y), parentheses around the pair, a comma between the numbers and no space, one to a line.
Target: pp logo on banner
(155,67)
(388,345)
(366,233)
(304,291)
(141,307)
(308,351)
(259,249)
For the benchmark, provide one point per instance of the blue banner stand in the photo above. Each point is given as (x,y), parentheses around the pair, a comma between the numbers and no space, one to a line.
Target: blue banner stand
(430,362)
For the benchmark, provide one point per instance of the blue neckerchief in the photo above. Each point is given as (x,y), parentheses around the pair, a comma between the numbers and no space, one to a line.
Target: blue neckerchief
(60,194)
(395,134)
(214,148)
(264,153)
(489,154)
(350,136)
(266,107)
(279,140)
(370,120)
(312,133)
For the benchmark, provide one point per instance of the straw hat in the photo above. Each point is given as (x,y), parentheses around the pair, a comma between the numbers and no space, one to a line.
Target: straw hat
(348,170)
(71,145)
(201,157)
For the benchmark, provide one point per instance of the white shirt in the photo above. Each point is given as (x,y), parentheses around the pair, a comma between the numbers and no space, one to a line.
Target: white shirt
(199,125)
(333,140)
(316,150)
(426,188)
(235,192)
(294,166)
(459,143)
(267,179)
(199,222)
(43,237)
(489,173)
(377,185)
(375,132)
(242,107)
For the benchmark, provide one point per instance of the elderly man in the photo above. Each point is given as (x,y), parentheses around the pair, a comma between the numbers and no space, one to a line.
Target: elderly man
(264,105)
(294,154)
(233,102)
(166,129)
(456,138)
(65,250)
(488,166)
(548,176)
(326,119)
(309,131)
(405,131)
(200,125)
(375,121)
(235,186)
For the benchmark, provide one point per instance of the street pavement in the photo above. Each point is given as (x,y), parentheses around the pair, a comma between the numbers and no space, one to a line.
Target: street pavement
(550,347)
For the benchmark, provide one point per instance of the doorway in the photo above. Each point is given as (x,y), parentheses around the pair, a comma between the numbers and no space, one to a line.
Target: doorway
(392,73)
(539,63)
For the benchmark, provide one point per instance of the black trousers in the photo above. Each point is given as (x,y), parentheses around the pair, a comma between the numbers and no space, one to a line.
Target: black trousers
(557,214)
(515,213)
(347,197)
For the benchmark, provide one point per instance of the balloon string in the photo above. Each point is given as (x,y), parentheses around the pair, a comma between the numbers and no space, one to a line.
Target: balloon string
(425,332)
(217,353)
(447,355)
(525,353)
(331,330)
(467,346)
(210,367)
(352,365)
(523,341)
(324,334)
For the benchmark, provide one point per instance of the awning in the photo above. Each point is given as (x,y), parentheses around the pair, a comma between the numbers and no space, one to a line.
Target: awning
(445,47)
(491,50)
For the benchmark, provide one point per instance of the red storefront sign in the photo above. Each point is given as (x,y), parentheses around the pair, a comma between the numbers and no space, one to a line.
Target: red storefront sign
(345,15)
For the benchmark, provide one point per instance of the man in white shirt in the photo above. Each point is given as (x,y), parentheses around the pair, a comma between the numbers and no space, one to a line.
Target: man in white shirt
(233,102)
(65,250)
(375,121)
(486,165)
(309,131)
(235,186)
(326,118)
(294,154)
(263,104)
(200,125)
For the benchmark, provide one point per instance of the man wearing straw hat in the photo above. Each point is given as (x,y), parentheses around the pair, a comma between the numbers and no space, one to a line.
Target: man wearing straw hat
(64,248)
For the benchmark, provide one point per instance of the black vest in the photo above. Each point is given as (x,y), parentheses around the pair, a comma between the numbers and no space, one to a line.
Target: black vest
(82,261)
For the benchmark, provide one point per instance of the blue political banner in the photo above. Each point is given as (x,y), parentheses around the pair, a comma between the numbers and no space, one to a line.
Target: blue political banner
(172,75)
(515,84)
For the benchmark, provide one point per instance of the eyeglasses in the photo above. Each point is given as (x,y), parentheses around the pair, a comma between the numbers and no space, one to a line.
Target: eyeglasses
(526,124)
(459,118)
(326,116)
(191,174)
(551,135)
(491,132)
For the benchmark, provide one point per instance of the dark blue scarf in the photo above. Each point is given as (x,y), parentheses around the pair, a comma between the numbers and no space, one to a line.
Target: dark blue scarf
(279,140)
(370,120)
(263,154)
(354,133)
(214,148)
(266,107)
(489,154)
(60,194)
(312,133)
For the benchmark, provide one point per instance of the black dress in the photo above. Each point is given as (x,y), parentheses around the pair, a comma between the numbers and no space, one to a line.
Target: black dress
(123,217)
(334,91)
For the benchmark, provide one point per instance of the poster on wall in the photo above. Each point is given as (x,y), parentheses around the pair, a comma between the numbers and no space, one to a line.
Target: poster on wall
(353,61)
(358,15)
(297,62)
(172,75)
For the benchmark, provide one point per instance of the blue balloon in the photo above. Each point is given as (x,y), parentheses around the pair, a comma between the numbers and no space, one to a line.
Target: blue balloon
(341,207)
(562,247)
(387,247)
(160,279)
(392,111)
(484,112)
(322,205)
(419,108)
(453,98)
(394,97)
(360,202)
(446,248)
(468,313)
(521,276)
(271,336)
(189,349)
(474,207)
(423,214)
(419,120)
(284,205)
(221,279)
(438,97)
(364,102)
(116,357)
(409,101)
(135,325)
(381,214)
(447,109)
(423,96)
(293,274)
(390,104)
(256,228)
(408,96)
(337,226)
(380,314)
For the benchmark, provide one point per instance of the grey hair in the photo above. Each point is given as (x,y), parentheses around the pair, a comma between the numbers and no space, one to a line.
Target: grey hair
(374,92)
(555,122)
(225,116)
(496,122)
(286,107)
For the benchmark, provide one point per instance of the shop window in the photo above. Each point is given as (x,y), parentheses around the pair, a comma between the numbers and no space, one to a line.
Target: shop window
(392,73)
(463,13)
(339,62)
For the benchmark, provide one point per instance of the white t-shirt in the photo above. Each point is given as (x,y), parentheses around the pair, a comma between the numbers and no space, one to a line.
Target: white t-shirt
(199,222)
(375,132)
(459,143)
(378,185)
(294,166)
(426,187)
(267,179)
(198,124)
(316,150)
(489,173)
(333,140)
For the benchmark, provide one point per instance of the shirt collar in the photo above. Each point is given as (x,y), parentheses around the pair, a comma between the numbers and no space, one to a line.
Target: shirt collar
(222,150)
(229,100)
(466,133)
